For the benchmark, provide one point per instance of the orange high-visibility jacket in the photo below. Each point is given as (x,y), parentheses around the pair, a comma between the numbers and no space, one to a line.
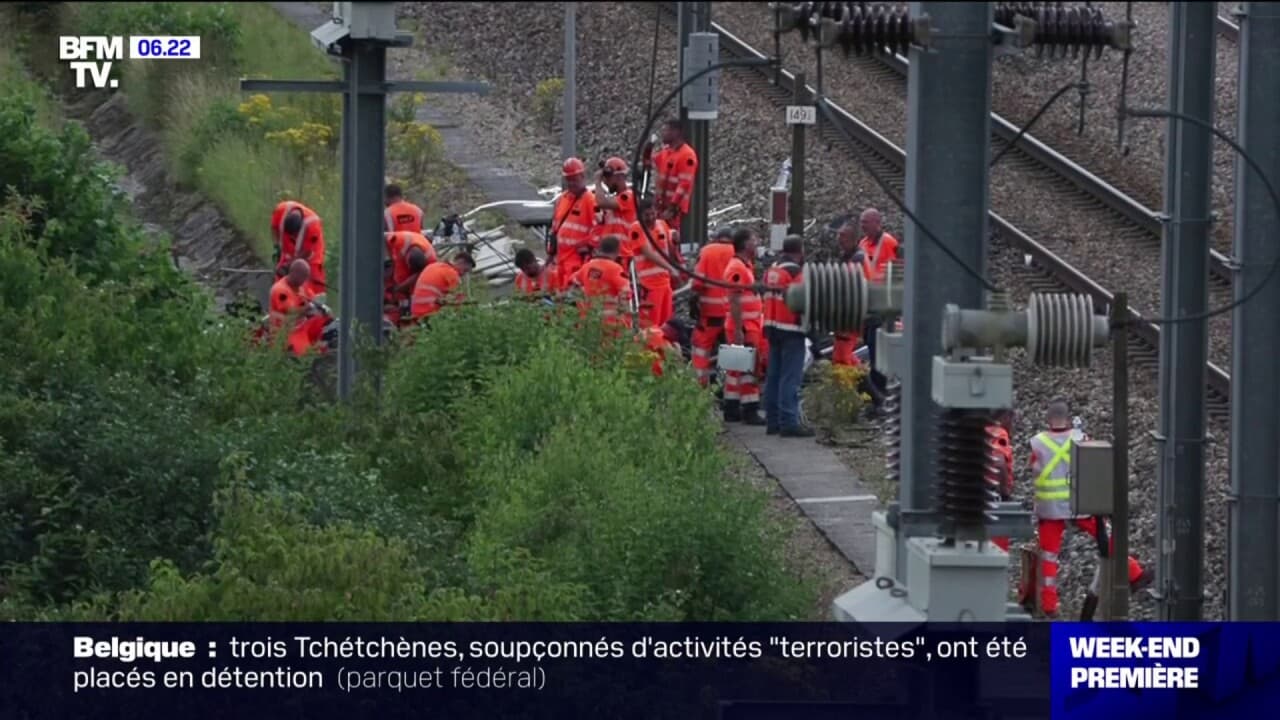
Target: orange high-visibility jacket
(713,300)
(604,284)
(650,274)
(402,216)
(875,257)
(675,169)
(309,242)
(543,284)
(398,246)
(285,301)
(780,276)
(435,286)
(616,222)
(740,274)
(572,222)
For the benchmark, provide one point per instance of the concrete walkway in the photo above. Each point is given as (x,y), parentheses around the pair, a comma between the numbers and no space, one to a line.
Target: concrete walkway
(497,183)
(826,491)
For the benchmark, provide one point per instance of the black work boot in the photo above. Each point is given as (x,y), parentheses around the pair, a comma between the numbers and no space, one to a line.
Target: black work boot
(732,410)
(1089,607)
(751,414)
(799,431)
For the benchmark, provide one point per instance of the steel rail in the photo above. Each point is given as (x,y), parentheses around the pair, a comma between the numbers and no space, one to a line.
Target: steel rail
(1063,273)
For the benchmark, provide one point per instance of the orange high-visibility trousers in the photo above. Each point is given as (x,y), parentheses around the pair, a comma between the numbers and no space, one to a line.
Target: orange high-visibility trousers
(1051,532)
(842,353)
(705,340)
(745,387)
(657,306)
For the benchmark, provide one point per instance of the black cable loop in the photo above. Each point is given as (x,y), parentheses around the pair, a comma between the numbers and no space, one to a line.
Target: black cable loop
(1034,119)
(1275,199)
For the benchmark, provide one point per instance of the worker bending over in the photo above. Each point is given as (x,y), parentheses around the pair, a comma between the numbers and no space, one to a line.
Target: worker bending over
(298,235)
(663,345)
(438,284)
(400,215)
(603,286)
(786,341)
(408,253)
(534,280)
(709,304)
(1051,466)
(744,327)
(292,309)
(653,271)
(572,223)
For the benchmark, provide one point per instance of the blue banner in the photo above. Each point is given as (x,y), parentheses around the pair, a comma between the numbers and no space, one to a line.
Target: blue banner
(1165,670)
(336,671)
(803,671)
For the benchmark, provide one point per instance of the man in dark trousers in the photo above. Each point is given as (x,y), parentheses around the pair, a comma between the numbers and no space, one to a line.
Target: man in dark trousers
(786,340)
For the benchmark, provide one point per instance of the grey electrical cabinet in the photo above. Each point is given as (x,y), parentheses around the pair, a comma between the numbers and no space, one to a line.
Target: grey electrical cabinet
(702,96)
(1092,478)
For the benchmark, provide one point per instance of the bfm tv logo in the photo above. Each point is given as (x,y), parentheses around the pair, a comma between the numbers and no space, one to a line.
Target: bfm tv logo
(101,49)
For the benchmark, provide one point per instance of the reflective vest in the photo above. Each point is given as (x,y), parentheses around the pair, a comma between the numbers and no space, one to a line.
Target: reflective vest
(777,279)
(674,170)
(1052,453)
(402,216)
(572,224)
(541,285)
(399,244)
(286,301)
(291,246)
(875,258)
(616,222)
(604,285)
(738,273)
(713,300)
(650,274)
(435,284)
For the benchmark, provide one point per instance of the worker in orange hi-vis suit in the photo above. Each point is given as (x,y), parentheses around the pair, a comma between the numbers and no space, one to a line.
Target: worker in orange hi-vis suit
(654,272)
(534,280)
(744,326)
(400,215)
(604,286)
(298,234)
(661,342)
(572,223)
(675,167)
(878,249)
(709,304)
(438,284)
(291,306)
(616,202)
(846,343)
(408,253)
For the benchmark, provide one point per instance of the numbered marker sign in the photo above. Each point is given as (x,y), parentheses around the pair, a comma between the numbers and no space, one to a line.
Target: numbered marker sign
(802,114)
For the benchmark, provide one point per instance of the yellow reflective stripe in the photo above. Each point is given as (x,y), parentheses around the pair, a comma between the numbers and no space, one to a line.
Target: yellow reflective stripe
(1061,453)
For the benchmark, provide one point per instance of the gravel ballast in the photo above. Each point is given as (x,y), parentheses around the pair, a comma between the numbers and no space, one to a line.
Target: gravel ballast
(515,46)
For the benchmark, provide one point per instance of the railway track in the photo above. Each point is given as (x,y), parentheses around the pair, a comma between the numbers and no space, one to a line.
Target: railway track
(1229,29)
(1050,272)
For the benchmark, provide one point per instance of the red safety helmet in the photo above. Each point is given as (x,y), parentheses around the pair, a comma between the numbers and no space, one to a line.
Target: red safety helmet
(573,166)
(615,165)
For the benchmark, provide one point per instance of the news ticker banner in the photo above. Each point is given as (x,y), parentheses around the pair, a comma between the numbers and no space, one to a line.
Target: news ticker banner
(803,671)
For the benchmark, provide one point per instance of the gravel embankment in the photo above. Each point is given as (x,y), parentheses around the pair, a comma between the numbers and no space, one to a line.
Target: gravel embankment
(516,46)
(1029,197)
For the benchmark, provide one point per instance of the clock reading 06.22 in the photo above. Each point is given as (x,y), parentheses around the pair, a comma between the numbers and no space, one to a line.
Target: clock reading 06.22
(164,47)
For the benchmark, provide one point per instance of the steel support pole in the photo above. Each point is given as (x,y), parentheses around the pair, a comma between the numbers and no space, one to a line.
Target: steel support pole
(569,136)
(1253,566)
(795,213)
(364,163)
(695,17)
(948,148)
(1184,346)
(1116,572)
